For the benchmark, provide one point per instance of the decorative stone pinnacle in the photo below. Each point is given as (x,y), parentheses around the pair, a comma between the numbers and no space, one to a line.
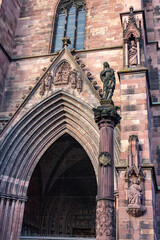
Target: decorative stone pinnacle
(66,41)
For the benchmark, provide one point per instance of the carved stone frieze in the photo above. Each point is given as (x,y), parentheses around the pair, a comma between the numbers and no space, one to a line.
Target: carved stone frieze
(64,76)
(105,219)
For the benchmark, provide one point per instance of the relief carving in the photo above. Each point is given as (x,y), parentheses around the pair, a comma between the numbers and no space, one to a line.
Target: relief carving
(104,219)
(79,84)
(104,159)
(65,75)
(72,79)
(62,75)
(45,84)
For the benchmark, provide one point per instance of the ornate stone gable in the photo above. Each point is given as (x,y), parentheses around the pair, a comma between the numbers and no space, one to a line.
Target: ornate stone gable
(63,74)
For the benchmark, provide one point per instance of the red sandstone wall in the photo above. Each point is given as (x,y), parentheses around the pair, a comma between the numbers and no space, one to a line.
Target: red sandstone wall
(9,13)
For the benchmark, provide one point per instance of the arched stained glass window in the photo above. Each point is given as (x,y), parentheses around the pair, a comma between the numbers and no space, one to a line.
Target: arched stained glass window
(70,22)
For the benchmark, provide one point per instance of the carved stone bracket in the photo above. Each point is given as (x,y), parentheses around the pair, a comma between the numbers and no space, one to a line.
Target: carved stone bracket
(105,219)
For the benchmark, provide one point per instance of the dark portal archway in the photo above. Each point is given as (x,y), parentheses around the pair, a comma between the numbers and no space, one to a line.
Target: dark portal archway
(62,192)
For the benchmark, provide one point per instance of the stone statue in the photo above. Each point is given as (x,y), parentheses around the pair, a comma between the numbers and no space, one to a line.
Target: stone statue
(135,194)
(48,82)
(108,78)
(132,53)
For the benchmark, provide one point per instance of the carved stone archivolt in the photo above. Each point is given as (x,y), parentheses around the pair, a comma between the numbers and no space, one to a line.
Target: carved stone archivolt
(134,177)
(105,219)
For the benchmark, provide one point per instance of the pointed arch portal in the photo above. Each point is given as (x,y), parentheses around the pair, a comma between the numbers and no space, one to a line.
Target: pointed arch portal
(54,120)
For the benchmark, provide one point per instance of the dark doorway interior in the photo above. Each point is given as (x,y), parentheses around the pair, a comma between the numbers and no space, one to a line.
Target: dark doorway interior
(61,193)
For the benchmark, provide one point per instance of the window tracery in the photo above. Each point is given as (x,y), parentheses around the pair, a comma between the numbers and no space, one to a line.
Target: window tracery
(69,21)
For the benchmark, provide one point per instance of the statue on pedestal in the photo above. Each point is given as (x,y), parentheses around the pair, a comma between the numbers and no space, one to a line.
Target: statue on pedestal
(108,78)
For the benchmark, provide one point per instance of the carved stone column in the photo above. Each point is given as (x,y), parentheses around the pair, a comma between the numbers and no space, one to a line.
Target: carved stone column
(138,51)
(126,52)
(106,117)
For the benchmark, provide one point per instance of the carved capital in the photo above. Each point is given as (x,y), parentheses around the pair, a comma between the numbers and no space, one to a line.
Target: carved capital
(106,114)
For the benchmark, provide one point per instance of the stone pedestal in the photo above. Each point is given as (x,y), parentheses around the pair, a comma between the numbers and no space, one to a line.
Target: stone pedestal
(106,117)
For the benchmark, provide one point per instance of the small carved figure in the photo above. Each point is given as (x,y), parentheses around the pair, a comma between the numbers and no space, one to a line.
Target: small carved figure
(42,88)
(72,79)
(108,78)
(79,84)
(48,82)
(135,193)
(132,53)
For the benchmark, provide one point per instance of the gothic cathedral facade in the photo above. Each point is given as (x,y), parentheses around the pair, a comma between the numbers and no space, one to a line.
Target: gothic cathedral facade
(80,119)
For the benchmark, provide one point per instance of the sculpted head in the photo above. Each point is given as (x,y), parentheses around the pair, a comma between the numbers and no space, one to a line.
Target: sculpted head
(106,65)
(135,181)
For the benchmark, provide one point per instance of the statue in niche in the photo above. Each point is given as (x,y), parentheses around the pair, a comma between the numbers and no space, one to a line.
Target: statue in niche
(108,78)
(132,53)
(135,193)
(62,74)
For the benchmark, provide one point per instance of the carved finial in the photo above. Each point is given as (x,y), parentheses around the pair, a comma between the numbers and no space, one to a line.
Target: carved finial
(66,41)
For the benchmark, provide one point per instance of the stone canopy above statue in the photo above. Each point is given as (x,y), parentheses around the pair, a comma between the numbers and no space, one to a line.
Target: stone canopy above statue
(133,39)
